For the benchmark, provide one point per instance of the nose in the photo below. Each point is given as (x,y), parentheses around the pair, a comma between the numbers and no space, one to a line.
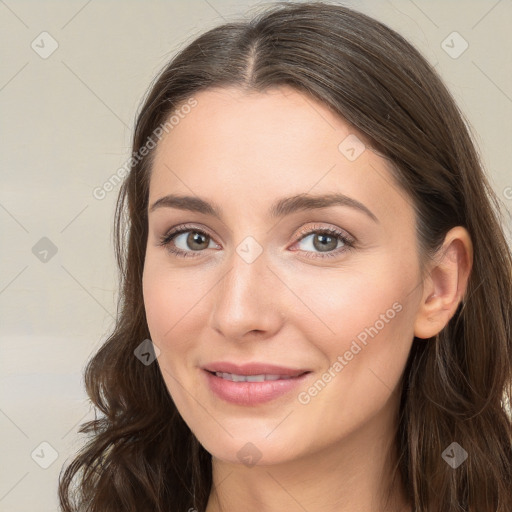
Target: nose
(247,300)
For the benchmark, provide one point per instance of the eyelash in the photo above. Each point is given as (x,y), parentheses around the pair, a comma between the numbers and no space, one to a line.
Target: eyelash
(166,240)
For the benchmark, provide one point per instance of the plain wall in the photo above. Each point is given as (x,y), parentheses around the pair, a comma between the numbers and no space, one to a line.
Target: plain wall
(66,126)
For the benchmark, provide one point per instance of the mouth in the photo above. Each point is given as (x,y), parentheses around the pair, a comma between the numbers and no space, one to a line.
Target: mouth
(225,369)
(255,384)
(255,378)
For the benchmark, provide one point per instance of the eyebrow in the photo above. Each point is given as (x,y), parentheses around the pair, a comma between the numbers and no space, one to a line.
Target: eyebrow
(282,207)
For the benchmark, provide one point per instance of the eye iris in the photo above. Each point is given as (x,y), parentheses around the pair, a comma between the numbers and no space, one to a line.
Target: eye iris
(193,237)
(325,246)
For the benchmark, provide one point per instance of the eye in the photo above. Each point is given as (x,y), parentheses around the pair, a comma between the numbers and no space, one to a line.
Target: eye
(325,241)
(191,239)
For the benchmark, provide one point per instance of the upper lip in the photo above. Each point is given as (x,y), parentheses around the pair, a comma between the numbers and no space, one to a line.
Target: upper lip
(252,369)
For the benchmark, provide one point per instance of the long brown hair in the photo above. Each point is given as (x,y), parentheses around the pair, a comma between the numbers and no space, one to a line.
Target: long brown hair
(140,455)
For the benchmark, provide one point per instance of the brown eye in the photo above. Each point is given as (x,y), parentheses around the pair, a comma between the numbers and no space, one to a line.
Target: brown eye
(197,240)
(324,242)
(328,241)
(186,241)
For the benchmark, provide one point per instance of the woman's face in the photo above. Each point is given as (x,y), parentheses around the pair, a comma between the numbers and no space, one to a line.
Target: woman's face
(264,282)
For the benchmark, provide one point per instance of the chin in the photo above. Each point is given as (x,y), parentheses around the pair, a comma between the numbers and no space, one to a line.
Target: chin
(256,448)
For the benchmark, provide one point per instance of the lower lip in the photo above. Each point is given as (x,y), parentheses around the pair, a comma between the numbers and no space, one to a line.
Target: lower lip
(252,393)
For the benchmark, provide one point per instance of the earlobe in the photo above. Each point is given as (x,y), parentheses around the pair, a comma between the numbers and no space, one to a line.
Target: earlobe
(446,283)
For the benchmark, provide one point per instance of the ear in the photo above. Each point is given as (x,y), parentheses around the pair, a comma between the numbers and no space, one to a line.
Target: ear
(445,284)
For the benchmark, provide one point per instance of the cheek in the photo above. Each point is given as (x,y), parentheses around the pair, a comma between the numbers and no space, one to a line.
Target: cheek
(169,305)
(363,361)
(170,300)
(157,304)
(362,323)
(341,303)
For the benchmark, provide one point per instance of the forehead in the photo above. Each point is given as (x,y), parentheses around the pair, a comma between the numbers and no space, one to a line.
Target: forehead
(239,124)
(249,148)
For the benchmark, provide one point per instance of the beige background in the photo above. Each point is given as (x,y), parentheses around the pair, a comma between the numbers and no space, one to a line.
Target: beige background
(66,123)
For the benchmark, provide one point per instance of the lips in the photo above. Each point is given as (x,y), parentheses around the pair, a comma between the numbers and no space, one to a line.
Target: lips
(253,389)
(252,369)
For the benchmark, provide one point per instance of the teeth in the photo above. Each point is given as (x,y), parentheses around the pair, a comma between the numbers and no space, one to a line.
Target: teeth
(250,378)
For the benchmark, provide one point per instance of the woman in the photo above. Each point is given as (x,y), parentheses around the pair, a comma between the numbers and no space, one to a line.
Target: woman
(316,294)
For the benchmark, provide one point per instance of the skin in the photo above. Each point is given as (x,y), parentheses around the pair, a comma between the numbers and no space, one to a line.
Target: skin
(242,152)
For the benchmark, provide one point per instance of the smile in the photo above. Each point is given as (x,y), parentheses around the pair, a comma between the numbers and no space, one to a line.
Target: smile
(250,378)
(252,390)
